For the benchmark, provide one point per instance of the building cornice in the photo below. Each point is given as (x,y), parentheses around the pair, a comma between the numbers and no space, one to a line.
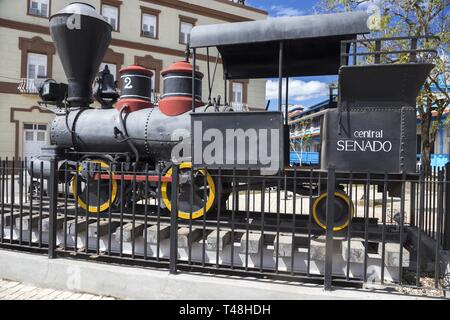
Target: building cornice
(115,42)
(9,87)
(204,11)
(116,3)
(243,6)
(17,25)
(156,49)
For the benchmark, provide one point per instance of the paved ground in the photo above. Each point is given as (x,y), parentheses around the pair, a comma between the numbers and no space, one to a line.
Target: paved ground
(12,290)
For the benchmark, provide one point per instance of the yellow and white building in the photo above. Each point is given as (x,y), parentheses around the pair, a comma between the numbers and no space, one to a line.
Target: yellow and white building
(152,33)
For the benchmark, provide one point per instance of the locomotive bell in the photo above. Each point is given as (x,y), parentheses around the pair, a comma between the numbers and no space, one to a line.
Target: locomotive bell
(81,37)
(177,95)
(135,88)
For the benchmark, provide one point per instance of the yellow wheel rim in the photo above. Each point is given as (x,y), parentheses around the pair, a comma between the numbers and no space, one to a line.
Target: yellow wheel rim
(209,202)
(103,206)
(336,194)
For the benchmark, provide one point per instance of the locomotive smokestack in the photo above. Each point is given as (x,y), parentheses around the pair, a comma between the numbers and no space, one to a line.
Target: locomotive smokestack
(81,37)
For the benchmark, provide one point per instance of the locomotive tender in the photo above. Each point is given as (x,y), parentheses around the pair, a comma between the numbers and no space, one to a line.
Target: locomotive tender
(129,133)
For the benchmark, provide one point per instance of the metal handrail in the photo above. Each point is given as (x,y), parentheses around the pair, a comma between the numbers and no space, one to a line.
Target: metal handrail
(390,52)
(413,51)
(390,38)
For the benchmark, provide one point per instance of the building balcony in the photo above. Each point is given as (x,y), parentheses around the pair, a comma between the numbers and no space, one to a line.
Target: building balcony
(29,86)
(304,158)
(299,134)
(436,160)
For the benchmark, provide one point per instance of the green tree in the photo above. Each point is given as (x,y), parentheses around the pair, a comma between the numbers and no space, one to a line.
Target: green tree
(414,18)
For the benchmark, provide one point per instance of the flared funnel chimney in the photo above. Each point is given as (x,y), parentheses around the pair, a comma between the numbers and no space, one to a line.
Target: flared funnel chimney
(81,38)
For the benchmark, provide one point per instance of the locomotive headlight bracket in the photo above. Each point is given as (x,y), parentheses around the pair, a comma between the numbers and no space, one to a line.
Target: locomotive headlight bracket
(52,92)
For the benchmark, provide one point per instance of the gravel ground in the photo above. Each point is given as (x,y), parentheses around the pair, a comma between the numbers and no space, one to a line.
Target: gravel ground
(427,283)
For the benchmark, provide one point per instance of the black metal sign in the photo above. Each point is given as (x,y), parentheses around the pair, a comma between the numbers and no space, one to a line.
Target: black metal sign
(241,140)
(370,139)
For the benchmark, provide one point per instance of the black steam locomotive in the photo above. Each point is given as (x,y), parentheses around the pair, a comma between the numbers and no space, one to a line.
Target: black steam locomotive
(128,133)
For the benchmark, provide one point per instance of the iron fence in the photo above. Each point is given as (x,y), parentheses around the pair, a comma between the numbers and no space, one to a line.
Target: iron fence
(257,226)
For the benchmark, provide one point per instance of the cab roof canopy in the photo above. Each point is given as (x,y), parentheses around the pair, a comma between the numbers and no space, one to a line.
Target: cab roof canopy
(311,44)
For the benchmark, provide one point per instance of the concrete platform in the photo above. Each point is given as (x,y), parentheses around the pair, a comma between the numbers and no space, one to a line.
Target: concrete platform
(198,244)
(254,242)
(139,283)
(154,233)
(218,240)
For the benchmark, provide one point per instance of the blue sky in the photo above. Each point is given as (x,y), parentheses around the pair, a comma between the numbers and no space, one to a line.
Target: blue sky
(283,7)
(305,91)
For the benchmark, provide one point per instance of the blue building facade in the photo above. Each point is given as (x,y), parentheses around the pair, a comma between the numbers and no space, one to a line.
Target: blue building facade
(441,149)
(305,136)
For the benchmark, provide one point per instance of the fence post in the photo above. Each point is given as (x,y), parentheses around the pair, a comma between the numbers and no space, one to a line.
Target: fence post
(174,221)
(53,198)
(329,247)
(412,218)
(446,240)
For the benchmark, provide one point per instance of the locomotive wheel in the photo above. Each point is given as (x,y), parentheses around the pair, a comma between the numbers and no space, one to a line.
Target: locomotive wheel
(98,202)
(34,190)
(341,211)
(200,205)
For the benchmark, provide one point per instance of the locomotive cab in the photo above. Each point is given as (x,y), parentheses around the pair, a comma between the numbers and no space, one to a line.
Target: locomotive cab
(373,118)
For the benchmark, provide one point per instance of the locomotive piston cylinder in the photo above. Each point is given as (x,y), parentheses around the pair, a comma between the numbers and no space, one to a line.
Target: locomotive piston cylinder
(41,167)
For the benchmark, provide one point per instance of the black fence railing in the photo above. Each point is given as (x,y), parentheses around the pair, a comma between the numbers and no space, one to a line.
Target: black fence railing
(258,226)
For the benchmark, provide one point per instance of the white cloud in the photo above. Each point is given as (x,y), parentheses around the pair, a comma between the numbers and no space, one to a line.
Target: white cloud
(298,90)
(282,11)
